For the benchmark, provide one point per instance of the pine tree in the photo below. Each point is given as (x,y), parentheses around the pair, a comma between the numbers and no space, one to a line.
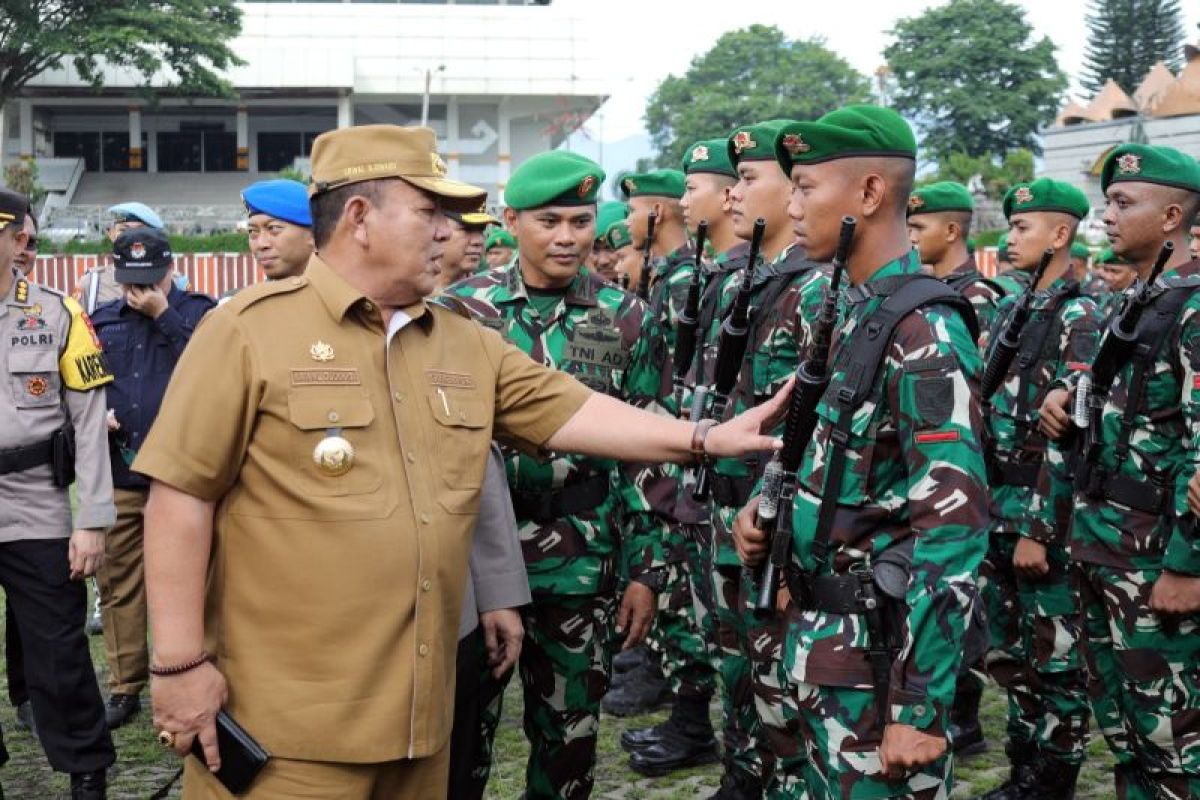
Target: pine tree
(1127,37)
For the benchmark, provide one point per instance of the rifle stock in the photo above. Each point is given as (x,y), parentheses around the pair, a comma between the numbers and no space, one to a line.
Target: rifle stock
(1009,341)
(643,287)
(688,323)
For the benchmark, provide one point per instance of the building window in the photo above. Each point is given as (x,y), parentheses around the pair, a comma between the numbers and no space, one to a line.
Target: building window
(85,145)
(115,152)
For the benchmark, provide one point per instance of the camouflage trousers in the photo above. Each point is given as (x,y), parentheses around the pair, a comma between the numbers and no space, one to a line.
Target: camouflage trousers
(1144,681)
(839,727)
(688,656)
(755,700)
(1034,633)
(565,665)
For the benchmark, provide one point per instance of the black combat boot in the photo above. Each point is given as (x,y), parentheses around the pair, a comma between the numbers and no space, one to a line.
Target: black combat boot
(637,738)
(627,660)
(1022,776)
(121,709)
(687,740)
(966,734)
(737,785)
(640,691)
(1055,780)
(88,785)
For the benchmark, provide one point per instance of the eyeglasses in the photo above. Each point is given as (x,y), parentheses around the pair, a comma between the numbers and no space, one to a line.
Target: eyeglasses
(32,244)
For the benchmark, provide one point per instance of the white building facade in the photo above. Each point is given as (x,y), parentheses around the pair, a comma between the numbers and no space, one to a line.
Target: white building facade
(499,82)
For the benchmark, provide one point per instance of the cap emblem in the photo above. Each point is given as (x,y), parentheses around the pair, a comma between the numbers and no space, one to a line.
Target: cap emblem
(587,184)
(1129,164)
(1023,195)
(915,202)
(742,141)
(700,153)
(794,143)
(137,250)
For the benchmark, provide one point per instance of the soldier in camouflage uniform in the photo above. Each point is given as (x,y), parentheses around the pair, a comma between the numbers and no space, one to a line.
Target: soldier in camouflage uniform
(1118,276)
(1009,278)
(1132,540)
(787,293)
(939,217)
(687,738)
(902,467)
(1031,607)
(569,508)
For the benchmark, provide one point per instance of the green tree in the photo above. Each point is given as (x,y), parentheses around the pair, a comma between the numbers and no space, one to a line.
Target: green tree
(997,175)
(22,176)
(185,38)
(749,75)
(1127,37)
(974,80)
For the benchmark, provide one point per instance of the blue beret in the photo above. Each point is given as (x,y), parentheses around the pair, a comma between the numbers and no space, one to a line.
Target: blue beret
(138,211)
(282,199)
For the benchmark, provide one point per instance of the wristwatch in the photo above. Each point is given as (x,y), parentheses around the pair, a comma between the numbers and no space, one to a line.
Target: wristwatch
(654,579)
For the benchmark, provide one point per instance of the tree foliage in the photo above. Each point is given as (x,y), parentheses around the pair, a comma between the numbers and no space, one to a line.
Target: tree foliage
(21,176)
(1127,37)
(749,75)
(974,80)
(997,175)
(186,38)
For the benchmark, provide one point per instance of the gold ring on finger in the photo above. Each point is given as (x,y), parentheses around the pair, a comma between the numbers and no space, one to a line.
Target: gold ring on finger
(166,739)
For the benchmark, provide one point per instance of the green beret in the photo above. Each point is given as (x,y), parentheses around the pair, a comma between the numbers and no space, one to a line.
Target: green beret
(618,235)
(659,183)
(848,132)
(607,214)
(499,238)
(709,155)
(1146,163)
(1107,256)
(1002,242)
(1046,194)
(555,178)
(754,142)
(944,196)
(1079,250)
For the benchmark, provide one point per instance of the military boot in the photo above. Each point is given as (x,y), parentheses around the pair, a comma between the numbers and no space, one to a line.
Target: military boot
(627,660)
(640,691)
(88,785)
(966,734)
(1056,780)
(1022,776)
(737,785)
(686,740)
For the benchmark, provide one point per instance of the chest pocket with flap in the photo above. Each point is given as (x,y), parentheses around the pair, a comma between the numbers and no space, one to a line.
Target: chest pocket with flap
(33,378)
(316,411)
(462,438)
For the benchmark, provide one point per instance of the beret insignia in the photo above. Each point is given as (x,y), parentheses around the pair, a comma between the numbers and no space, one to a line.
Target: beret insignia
(742,141)
(1023,195)
(794,143)
(700,153)
(586,185)
(915,201)
(630,186)
(1129,164)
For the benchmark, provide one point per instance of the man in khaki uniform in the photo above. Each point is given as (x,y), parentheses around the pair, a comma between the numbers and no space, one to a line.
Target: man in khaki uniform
(318,461)
(51,390)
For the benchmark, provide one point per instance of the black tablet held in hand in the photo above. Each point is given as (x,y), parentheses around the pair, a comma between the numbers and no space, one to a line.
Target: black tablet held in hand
(242,758)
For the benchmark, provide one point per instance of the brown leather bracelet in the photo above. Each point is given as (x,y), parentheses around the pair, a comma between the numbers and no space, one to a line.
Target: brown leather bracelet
(699,436)
(179,669)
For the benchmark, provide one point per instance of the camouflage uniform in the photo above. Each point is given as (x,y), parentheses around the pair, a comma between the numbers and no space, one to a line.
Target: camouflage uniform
(914,470)
(1034,623)
(779,340)
(1142,666)
(984,293)
(688,656)
(605,337)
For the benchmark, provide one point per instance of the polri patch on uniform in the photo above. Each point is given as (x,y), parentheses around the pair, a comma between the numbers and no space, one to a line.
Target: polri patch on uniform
(326,377)
(457,380)
(935,400)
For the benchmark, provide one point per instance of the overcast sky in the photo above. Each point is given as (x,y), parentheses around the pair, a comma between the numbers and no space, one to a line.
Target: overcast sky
(648,39)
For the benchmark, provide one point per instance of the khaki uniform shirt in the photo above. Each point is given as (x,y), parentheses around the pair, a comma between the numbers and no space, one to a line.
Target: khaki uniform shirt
(333,602)
(104,278)
(54,376)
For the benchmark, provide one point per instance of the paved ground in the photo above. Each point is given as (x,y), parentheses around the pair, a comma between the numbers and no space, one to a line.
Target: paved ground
(142,765)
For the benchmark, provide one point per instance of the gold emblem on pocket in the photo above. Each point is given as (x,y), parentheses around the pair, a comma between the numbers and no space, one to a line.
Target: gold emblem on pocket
(320,351)
(333,455)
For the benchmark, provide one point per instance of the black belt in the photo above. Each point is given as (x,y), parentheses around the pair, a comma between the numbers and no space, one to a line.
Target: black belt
(574,498)
(1013,473)
(731,492)
(19,459)
(1144,496)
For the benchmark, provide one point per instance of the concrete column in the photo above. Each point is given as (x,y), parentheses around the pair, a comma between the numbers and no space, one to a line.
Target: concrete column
(504,147)
(136,155)
(345,111)
(152,146)
(452,136)
(243,139)
(3,133)
(25,135)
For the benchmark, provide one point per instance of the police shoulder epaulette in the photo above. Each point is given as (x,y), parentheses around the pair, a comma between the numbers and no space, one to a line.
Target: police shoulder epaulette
(454,305)
(48,290)
(260,291)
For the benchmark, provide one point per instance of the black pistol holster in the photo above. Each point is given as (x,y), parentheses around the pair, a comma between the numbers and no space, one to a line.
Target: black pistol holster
(62,457)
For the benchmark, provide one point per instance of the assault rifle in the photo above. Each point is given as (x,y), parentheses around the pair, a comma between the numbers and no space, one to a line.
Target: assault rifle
(643,287)
(1009,341)
(688,324)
